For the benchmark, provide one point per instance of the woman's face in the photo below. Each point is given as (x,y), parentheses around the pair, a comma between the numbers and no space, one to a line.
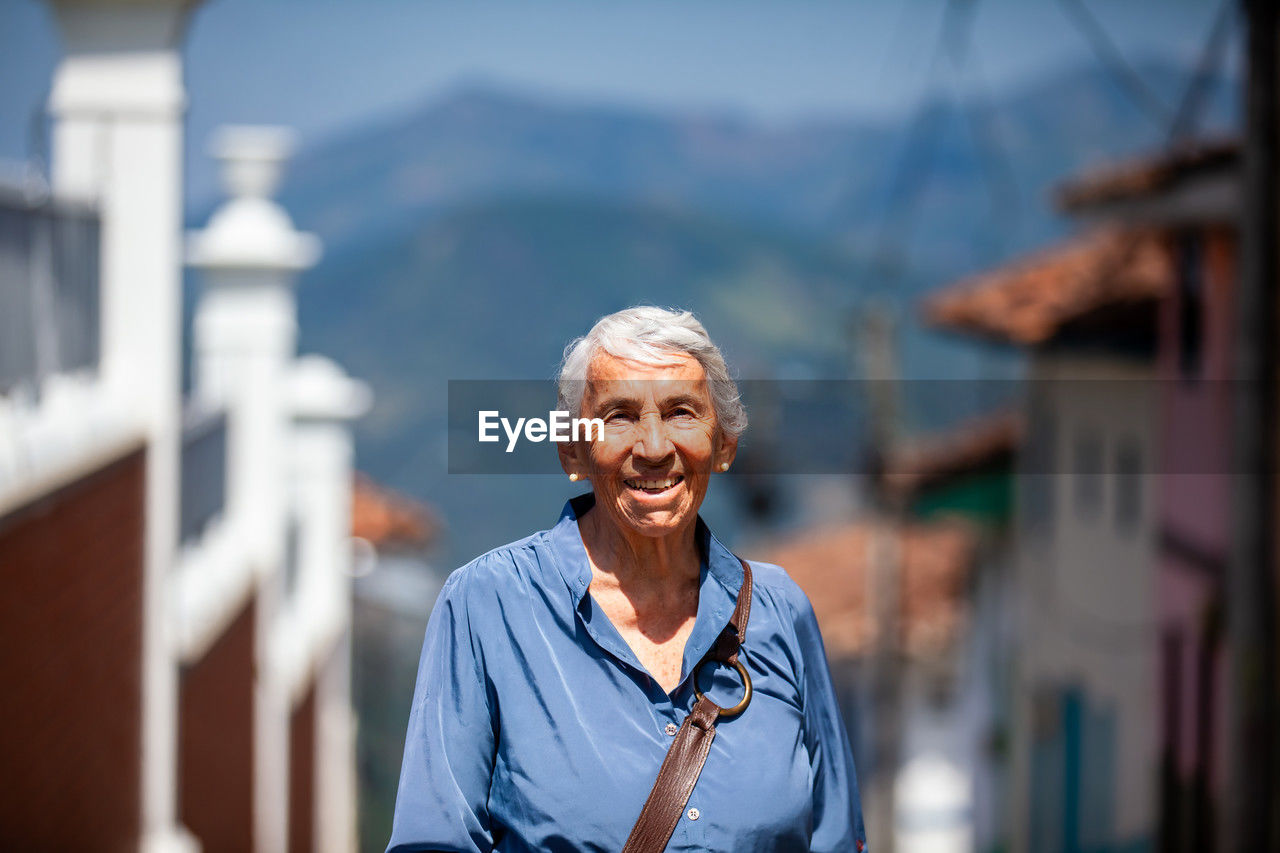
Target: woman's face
(660,445)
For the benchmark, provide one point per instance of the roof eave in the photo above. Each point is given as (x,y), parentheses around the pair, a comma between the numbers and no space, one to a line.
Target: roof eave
(1210,198)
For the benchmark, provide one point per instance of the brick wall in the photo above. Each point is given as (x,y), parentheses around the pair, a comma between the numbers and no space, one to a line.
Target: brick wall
(71,663)
(302,774)
(215,740)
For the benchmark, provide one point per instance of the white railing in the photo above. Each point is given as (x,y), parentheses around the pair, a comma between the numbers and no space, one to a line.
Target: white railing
(49,294)
(204,470)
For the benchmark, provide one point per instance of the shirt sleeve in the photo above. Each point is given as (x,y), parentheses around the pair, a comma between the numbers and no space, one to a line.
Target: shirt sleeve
(837,807)
(442,801)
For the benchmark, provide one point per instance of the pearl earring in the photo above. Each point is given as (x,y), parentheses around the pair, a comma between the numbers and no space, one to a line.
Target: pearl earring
(573,478)
(724,466)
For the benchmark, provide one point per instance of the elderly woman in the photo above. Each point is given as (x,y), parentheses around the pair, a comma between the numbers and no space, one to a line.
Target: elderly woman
(622,681)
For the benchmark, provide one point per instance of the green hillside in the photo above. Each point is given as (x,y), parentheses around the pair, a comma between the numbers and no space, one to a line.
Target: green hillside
(496,291)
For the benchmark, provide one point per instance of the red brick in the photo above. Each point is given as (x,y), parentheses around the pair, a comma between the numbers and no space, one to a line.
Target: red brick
(71,662)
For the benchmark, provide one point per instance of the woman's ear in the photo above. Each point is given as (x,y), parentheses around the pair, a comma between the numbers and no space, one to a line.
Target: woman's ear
(569,462)
(726,452)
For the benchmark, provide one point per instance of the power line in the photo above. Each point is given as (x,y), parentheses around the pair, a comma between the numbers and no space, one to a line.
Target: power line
(1113,60)
(997,166)
(915,163)
(917,145)
(1186,120)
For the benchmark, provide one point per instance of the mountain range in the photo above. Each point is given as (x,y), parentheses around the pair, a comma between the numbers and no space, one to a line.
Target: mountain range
(472,238)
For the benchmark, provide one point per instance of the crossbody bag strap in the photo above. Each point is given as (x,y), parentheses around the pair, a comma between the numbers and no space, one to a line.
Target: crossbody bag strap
(688,752)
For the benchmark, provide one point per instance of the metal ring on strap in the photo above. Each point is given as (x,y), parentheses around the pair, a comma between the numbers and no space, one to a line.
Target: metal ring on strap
(746,688)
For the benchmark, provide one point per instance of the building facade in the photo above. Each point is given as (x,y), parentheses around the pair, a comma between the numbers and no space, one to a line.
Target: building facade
(178,624)
(1082,745)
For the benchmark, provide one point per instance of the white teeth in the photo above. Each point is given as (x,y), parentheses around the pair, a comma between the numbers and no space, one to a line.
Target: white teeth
(653,485)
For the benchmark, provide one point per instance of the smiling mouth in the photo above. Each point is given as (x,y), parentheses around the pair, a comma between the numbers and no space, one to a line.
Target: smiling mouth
(654,486)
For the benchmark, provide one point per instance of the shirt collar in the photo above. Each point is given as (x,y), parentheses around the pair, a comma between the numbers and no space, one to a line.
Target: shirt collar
(571,554)
(720,579)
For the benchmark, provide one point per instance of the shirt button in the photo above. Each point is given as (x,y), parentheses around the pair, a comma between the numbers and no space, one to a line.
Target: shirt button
(672,728)
(694,814)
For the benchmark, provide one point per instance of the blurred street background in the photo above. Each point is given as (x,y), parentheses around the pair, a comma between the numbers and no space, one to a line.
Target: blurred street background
(1029,246)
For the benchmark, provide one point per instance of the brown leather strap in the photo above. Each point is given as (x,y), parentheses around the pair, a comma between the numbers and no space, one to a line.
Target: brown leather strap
(683,764)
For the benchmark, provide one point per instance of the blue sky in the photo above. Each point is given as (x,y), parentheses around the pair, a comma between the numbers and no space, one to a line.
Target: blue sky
(325,65)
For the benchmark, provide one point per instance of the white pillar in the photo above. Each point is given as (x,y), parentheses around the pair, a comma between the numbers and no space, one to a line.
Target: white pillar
(117,101)
(244,341)
(933,804)
(335,811)
(245,328)
(324,401)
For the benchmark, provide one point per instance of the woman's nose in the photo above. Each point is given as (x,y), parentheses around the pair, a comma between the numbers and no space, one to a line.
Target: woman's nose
(652,441)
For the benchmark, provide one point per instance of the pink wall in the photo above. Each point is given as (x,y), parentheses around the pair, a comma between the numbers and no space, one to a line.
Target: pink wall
(1194,492)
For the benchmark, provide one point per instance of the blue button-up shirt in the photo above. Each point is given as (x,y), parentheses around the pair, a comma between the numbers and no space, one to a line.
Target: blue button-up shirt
(534,726)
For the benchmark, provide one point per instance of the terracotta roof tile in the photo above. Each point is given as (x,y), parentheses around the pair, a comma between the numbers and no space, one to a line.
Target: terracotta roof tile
(831,565)
(919,463)
(388,519)
(1146,175)
(1027,302)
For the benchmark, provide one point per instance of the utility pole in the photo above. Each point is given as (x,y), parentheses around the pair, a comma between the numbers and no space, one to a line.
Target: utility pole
(874,334)
(1251,808)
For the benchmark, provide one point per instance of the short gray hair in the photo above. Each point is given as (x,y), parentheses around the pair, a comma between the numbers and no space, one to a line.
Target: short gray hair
(650,335)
